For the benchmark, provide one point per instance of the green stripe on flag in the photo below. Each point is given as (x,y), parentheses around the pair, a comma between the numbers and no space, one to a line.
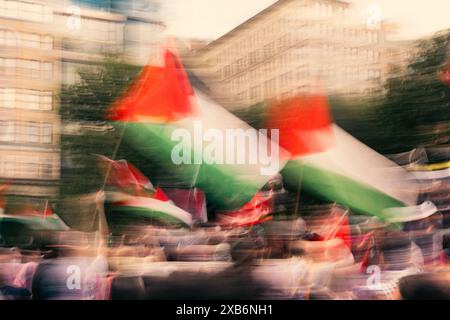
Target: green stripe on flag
(223,184)
(141,212)
(334,187)
(37,223)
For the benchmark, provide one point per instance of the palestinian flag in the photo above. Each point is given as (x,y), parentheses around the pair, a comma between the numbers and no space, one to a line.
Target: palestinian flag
(191,200)
(125,176)
(256,211)
(333,165)
(34,221)
(162,116)
(338,226)
(135,198)
(161,195)
(127,209)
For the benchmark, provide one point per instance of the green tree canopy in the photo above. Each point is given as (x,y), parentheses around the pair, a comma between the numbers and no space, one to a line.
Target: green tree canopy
(86,133)
(416,109)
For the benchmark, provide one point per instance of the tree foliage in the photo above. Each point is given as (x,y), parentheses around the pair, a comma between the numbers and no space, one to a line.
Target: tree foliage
(416,109)
(86,133)
(414,112)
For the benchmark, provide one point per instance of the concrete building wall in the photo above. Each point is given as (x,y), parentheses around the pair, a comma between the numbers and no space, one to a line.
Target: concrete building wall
(43,44)
(291,47)
(30,73)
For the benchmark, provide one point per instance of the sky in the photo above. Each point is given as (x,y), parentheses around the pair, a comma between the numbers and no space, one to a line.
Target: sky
(210,19)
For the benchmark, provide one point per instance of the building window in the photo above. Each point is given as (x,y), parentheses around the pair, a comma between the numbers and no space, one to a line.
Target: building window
(46,42)
(284,41)
(7,131)
(269,50)
(24,39)
(25,11)
(26,99)
(26,132)
(269,87)
(25,167)
(240,64)
(29,167)
(35,67)
(47,70)
(46,101)
(10,167)
(46,169)
(242,96)
(253,57)
(33,132)
(227,72)
(47,132)
(285,79)
(23,68)
(7,98)
(254,92)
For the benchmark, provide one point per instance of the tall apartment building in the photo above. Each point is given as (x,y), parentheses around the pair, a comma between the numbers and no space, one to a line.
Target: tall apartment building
(30,67)
(289,47)
(43,44)
(89,30)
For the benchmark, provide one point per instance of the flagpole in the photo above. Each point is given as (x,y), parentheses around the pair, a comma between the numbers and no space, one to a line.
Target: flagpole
(103,226)
(297,198)
(102,217)
(194,180)
(45,209)
(116,149)
(335,228)
(297,206)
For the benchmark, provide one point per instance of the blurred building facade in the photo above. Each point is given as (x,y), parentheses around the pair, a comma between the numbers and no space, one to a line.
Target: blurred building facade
(292,46)
(92,29)
(43,44)
(30,72)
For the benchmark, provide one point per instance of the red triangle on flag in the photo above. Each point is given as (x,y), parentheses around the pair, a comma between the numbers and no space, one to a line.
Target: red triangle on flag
(304,124)
(3,188)
(47,210)
(126,176)
(343,232)
(140,179)
(256,211)
(159,94)
(161,195)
